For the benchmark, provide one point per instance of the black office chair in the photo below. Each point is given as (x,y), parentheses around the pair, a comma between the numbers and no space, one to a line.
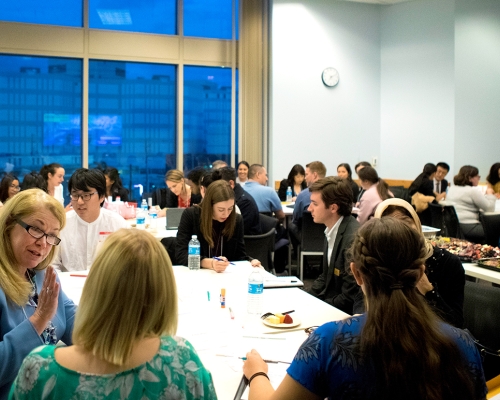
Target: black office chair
(491,227)
(481,311)
(313,237)
(446,219)
(400,192)
(267,222)
(261,247)
(170,243)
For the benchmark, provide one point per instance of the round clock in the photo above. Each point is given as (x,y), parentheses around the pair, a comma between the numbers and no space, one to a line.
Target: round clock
(330,77)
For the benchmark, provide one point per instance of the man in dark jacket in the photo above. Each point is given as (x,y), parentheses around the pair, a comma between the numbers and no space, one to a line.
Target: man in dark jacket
(331,204)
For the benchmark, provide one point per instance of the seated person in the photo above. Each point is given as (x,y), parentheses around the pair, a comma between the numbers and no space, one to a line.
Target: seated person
(359,166)
(34,310)
(493,179)
(243,168)
(54,177)
(397,350)
(114,186)
(469,201)
(34,180)
(219,164)
(443,283)
(344,172)
(296,182)
(441,184)
(331,204)
(80,237)
(9,187)
(193,179)
(245,203)
(266,198)
(176,194)
(376,191)
(124,343)
(424,184)
(218,228)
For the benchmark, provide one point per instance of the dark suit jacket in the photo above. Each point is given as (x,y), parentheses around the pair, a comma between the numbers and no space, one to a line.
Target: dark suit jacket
(249,210)
(233,249)
(336,284)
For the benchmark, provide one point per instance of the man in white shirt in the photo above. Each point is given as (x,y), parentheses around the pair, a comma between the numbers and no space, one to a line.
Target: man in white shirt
(331,204)
(80,236)
(441,184)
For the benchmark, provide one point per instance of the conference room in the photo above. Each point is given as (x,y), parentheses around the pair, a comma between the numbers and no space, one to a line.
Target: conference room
(417,83)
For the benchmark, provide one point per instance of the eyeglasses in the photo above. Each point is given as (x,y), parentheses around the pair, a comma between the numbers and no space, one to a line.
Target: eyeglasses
(85,196)
(16,187)
(38,233)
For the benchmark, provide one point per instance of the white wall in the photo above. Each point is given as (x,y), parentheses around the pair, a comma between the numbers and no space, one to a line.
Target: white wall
(419,83)
(310,121)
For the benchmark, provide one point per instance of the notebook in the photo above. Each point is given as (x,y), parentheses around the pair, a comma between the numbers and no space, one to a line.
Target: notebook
(173,217)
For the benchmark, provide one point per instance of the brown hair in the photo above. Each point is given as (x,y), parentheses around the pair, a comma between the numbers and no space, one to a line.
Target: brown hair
(335,190)
(318,167)
(216,192)
(402,341)
(370,174)
(464,175)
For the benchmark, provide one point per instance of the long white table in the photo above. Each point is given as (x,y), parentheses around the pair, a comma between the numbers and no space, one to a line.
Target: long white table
(481,273)
(160,231)
(219,339)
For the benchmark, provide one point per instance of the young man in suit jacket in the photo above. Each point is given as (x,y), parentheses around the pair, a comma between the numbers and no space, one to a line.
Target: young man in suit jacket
(441,184)
(331,204)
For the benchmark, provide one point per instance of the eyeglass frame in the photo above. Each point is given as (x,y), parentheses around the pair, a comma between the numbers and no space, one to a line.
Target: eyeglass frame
(82,196)
(17,187)
(28,227)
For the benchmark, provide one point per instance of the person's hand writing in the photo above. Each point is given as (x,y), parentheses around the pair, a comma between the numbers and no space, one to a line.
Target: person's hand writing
(254,363)
(220,264)
(47,301)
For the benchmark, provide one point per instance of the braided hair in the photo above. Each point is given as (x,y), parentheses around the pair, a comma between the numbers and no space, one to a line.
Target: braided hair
(402,341)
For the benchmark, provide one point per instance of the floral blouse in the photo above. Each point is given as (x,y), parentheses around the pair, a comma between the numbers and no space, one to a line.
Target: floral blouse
(175,372)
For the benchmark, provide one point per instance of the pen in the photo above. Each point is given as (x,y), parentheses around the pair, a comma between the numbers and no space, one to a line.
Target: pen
(78,275)
(264,337)
(208,295)
(220,259)
(223,298)
(268,361)
(231,313)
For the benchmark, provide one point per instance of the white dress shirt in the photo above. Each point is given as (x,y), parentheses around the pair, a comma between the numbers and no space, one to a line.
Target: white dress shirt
(331,235)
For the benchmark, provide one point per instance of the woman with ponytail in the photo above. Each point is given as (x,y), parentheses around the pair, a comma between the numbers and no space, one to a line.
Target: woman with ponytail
(398,349)
(376,191)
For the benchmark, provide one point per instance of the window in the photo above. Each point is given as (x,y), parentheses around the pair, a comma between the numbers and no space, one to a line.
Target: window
(52,12)
(40,113)
(208,18)
(152,16)
(207,116)
(132,108)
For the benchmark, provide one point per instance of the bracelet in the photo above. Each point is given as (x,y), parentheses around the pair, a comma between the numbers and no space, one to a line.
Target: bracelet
(256,375)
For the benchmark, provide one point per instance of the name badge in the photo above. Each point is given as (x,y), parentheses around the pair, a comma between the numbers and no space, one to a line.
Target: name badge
(336,271)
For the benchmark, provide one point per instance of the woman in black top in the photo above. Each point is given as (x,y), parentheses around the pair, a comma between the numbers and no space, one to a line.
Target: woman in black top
(344,172)
(296,181)
(424,184)
(218,228)
(114,186)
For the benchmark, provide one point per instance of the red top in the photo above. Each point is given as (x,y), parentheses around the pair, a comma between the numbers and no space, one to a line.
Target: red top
(181,203)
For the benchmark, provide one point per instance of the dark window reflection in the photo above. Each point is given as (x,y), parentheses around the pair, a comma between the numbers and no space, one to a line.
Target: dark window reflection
(132,110)
(40,113)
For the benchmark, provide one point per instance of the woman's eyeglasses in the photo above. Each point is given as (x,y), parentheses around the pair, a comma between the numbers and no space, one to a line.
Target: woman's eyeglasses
(15,187)
(38,233)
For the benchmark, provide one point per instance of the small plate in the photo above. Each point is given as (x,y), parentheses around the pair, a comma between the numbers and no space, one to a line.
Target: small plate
(296,322)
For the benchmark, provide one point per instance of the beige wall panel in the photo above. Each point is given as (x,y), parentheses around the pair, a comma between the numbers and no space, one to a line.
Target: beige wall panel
(133,45)
(23,38)
(216,51)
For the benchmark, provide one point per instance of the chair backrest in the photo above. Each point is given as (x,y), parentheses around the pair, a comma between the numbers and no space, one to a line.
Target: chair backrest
(267,222)
(446,219)
(400,192)
(437,217)
(313,234)
(491,226)
(261,247)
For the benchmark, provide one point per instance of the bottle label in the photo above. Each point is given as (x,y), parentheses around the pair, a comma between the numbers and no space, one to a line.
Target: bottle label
(194,250)
(141,220)
(255,288)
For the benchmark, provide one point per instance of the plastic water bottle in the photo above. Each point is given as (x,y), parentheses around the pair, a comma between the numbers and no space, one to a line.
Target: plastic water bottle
(255,292)
(145,208)
(194,254)
(153,214)
(140,220)
(288,193)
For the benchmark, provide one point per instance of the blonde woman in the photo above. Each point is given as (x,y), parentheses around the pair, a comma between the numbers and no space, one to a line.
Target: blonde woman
(33,308)
(177,193)
(124,343)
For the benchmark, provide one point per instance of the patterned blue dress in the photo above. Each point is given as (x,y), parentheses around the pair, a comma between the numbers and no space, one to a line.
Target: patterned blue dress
(328,362)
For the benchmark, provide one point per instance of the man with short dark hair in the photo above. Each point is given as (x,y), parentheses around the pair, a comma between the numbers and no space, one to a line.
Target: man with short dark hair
(245,202)
(266,198)
(80,236)
(441,184)
(331,204)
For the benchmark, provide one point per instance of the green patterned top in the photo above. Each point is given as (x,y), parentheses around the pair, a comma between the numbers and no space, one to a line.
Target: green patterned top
(175,372)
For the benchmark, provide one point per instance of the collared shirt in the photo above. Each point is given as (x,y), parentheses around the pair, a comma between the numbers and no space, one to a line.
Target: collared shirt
(79,239)
(266,198)
(331,235)
(437,186)
(301,203)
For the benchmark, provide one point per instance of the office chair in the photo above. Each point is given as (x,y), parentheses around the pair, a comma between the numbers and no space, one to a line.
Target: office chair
(313,237)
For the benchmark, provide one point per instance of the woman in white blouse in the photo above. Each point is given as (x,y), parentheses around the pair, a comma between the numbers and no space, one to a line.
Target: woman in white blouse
(468,201)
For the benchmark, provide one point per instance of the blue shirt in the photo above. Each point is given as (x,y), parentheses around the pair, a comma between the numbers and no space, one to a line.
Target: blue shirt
(301,204)
(266,198)
(329,364)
